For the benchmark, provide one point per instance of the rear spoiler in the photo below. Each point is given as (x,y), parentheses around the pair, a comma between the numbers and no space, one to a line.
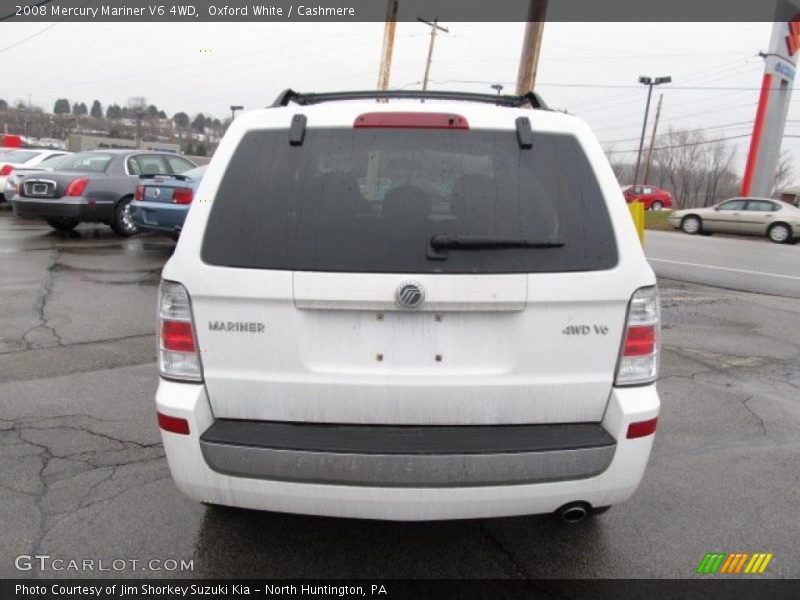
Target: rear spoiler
(153,176)
(531,99)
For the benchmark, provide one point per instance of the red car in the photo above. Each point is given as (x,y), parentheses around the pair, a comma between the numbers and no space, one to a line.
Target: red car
(654,198)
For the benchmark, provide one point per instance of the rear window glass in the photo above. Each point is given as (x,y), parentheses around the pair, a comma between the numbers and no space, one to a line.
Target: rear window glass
(19,156)
(370,200)
(91,161)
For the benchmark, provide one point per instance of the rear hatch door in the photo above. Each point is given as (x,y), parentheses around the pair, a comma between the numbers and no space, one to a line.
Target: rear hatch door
(337,307)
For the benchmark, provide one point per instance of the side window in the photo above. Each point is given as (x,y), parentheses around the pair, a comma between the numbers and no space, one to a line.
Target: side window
(148,164)
(179,165)
(133,166)
(732,205)
(648,190)
(760,206)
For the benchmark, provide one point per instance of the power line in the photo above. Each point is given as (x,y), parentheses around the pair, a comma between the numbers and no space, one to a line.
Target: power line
(723,139)
(607,86)
(671,87)
(680,116)
(737,124)
(33,35)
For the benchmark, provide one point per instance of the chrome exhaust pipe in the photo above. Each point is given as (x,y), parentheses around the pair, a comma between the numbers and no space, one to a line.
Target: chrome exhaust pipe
(573,512)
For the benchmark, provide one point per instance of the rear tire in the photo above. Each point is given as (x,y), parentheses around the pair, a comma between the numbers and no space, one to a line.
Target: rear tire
(656,205)
(123,223)
(780,234)
(692,225)
(63,224)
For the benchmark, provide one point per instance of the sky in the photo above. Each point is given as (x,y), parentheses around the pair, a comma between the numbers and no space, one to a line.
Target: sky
(206,67)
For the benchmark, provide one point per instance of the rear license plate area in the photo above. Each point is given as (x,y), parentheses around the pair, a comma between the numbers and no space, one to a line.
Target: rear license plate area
(150,217)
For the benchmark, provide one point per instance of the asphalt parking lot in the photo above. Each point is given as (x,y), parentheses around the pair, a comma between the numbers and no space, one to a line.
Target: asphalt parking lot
(82,472)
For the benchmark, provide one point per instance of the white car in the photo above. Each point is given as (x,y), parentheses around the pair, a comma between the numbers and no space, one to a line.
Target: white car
(15,177)
(25,158)
(409,311)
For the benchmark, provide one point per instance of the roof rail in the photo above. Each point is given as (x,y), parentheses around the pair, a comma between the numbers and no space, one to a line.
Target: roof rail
(288,96)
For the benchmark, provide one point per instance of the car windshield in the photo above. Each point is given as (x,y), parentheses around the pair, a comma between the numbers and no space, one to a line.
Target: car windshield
(94,162)
(17,157)
(371,200)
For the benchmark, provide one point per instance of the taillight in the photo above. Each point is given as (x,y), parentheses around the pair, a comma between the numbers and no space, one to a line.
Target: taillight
(638,360)
(178,356)
(139,193)
(182,195)
(177,336)
(76,187)
(640,340)
(6,170)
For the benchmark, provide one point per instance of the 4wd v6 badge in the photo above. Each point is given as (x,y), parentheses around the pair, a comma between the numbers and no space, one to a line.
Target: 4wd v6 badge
(585,330)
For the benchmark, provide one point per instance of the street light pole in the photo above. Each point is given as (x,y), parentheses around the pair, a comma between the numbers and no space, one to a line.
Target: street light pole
(650,82)
(233,111)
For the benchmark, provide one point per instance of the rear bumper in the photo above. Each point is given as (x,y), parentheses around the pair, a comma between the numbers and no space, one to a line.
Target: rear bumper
(160,217)
(430,487)
(408,455)
(79,208)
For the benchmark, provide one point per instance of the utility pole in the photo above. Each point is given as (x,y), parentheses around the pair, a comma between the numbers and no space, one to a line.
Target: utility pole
(434,28)
(384,71)
(650,82)
(652,141)
(234,108)
(139,116)
(531,46)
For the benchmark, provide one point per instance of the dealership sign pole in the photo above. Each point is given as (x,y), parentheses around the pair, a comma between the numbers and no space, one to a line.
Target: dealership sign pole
(773,103)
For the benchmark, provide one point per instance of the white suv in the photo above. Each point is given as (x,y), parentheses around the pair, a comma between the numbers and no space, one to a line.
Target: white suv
(409,310)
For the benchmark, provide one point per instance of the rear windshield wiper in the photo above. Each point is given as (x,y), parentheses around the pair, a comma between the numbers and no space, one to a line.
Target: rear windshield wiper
(466,241)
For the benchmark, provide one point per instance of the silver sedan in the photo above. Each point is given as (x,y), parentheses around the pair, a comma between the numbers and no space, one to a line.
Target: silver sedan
(777,220)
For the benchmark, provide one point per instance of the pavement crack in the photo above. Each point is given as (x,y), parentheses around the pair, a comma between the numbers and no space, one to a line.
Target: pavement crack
(100,456)
(752,412)
(123,338)
(40,307)
(519,570)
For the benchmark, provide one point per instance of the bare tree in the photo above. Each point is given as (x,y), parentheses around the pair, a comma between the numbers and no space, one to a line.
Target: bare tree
(784,173)
(696,170)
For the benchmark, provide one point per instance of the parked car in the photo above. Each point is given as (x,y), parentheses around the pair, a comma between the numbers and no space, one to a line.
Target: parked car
(93,186)
(396,311)
(654,198)
(779,221)
(24,158)
(160,203)
(14,179)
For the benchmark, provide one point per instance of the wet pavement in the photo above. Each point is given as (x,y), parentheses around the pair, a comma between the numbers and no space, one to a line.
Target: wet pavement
(82,472)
